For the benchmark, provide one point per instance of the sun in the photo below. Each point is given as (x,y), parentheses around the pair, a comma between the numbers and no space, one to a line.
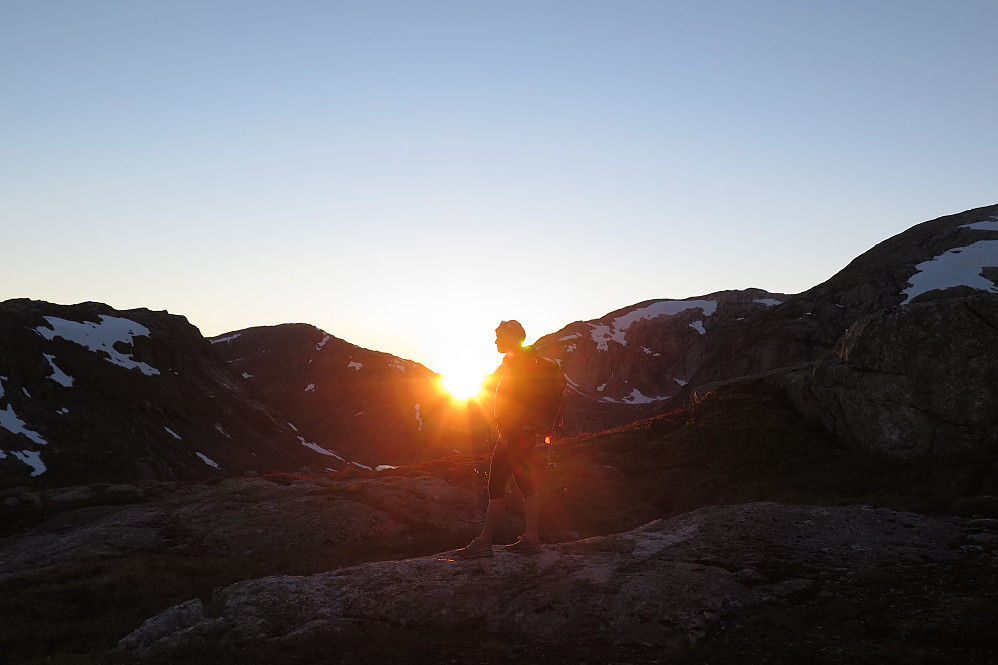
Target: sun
(463,385)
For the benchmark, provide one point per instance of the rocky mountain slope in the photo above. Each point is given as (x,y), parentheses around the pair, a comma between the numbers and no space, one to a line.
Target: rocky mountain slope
(635,361)
(91,394)
(952,256)
(371,407)
(647,358)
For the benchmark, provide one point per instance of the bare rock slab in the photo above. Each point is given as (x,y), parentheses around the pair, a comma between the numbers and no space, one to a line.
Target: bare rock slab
(664,583)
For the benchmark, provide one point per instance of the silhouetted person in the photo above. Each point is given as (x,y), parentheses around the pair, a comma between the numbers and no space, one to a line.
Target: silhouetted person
(514,444)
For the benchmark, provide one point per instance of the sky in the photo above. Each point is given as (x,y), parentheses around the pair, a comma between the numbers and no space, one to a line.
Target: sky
(406,174)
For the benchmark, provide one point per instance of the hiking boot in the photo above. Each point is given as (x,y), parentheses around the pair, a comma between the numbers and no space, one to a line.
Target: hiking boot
(524,546)
(476,550)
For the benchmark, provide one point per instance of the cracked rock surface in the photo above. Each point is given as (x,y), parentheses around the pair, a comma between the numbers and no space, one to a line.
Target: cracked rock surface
(665,583)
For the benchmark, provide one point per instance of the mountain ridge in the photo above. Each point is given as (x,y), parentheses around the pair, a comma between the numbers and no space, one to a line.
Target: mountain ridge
(170,404)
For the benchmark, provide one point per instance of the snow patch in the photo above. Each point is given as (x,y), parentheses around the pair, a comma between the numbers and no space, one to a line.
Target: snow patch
(616,331)
(310,388)
(31,458)
(319,449)
(768,302)
(63,411)
(990,224)
(384,467)
(568,337)
(318,347)
(680,382)
(247,375)
(173,434)
(698,326)
(58,375)
(960,266)
(10,421)
(570,348)
(637,398)
(362,466)
(101,338)
(419,420)
(355,366)
(227,338)
(206,460)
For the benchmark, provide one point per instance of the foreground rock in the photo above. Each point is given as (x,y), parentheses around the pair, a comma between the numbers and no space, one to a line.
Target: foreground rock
(666,583)
(248,518)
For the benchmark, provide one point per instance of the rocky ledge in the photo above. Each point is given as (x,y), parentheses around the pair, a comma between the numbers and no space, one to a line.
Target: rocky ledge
(666,583)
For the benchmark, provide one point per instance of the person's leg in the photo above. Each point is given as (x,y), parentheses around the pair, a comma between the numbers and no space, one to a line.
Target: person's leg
(500,470)
(523,474)
(493,518)
(532,517)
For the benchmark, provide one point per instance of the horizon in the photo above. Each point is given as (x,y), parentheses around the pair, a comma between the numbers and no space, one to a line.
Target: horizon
(405,176)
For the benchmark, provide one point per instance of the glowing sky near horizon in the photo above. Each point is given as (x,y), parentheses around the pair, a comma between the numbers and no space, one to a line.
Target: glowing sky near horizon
(404,175)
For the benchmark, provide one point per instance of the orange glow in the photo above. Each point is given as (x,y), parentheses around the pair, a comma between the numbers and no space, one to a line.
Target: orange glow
(463,385)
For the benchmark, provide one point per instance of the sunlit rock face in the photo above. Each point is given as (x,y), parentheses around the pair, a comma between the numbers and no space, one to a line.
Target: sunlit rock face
(912,380)
(667,582)
(370,408)
(92,394)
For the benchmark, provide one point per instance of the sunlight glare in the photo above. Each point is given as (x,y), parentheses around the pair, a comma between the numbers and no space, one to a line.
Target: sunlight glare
(463,385)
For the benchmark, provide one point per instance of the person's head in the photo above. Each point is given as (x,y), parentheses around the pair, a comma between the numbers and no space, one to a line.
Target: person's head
(509,336)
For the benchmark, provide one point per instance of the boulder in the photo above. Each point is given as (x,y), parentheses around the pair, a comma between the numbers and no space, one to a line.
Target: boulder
(909,381)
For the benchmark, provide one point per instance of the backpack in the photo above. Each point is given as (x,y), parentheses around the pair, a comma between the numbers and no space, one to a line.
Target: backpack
(546,399)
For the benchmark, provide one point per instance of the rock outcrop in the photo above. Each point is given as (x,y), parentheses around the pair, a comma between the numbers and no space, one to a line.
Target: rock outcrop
(242,517)
(912,380)
(665,583)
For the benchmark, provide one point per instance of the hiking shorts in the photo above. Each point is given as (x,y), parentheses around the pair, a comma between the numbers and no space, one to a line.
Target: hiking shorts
(512,458)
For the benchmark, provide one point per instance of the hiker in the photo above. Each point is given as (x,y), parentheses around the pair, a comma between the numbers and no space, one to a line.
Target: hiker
(515,412)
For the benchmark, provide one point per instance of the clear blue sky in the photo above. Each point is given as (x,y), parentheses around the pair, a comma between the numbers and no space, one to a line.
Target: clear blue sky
(405,174)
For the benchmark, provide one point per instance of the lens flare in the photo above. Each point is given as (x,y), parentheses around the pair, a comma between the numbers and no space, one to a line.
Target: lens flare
(463,385)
